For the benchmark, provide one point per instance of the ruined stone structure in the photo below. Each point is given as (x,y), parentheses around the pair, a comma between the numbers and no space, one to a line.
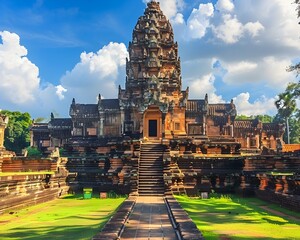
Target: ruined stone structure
(192,146)
(153,106)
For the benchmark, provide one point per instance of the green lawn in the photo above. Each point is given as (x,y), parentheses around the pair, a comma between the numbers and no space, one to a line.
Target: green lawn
(67,218)
(238,218)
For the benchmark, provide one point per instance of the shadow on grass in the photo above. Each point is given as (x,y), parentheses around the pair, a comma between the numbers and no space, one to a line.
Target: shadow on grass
(50,232)
(245,221)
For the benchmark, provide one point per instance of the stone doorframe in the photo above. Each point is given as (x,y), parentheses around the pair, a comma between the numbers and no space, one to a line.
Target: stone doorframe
(152,113)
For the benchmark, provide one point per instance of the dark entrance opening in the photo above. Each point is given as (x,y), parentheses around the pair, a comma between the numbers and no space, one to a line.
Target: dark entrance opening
(152,128)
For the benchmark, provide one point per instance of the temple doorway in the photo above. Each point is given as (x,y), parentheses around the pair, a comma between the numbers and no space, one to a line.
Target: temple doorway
(152,126)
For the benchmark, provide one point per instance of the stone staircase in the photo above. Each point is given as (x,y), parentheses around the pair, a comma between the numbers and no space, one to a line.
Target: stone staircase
(150,181)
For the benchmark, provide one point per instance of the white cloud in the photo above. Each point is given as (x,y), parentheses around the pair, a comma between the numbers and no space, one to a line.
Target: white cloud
(21,87)
(19,77)
(96,73)
(170,7)
(204,85)
(178,19)
(253,28)
(198,21)
(268,71)
(232,30)
(259,106)
(224,5)
(60,91)
(241,67)
(279,19)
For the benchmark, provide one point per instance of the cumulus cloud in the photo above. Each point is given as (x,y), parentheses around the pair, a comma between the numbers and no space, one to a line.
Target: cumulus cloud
(241,67)
(224,5)
(19,76)
(96,73)
(204,85)
(198,21)
(170,7)
(268,71)
(259,106)
(231,30)
(21,86)
(253,28)
(60,91)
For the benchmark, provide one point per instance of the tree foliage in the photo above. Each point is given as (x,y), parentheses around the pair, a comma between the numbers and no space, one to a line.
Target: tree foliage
(286,102)
(263,118)
(17,136)
(288,111)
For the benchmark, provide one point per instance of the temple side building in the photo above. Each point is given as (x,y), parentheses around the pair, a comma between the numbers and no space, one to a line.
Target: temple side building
(153,105)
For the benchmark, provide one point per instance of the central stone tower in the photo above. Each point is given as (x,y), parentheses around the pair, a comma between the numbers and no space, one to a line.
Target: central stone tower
(152,100)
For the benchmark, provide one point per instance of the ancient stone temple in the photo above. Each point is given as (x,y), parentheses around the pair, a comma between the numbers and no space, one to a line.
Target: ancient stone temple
(153,140)
(153,106)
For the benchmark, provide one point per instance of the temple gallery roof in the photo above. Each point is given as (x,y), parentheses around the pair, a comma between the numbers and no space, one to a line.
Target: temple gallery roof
(110,104)
(195,105)
(60,123)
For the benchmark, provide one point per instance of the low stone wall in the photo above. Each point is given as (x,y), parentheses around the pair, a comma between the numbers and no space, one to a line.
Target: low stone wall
(27,181)
(28,189)
(187,228)
(113,171)
(191,173)
(21,164)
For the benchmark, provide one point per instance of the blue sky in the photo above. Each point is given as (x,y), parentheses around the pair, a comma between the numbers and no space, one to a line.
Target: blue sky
(54,50)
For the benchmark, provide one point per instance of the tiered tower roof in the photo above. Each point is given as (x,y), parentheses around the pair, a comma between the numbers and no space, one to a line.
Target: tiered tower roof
(153,64)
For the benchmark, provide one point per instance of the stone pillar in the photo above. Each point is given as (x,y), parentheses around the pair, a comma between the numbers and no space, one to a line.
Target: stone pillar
(263,182)
(286,185)
(101,127)
(2,128)
(278,185)
(1,161)
(122,120)
(163,125)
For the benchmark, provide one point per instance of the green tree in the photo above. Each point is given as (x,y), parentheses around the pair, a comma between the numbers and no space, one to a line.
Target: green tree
(295,127)
(17,136)
(263,118)
(287,106)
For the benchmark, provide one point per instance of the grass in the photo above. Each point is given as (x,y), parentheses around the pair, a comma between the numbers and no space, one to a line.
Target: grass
(234,218)
(67,218)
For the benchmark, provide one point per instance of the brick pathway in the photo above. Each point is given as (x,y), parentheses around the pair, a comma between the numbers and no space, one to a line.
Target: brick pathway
(149,220)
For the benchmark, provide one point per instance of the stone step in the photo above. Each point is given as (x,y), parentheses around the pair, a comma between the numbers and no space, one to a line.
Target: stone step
(149,166)
(149,187)
(154,183)
(150,178)
(147,179)
(152,193)
(149,174)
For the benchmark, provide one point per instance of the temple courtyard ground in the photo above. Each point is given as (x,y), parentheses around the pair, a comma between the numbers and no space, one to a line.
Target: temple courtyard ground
(225,217)
(66,218)
(230,217)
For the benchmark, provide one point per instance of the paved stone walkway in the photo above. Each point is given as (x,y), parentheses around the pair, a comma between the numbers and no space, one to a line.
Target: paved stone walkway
(149,220)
